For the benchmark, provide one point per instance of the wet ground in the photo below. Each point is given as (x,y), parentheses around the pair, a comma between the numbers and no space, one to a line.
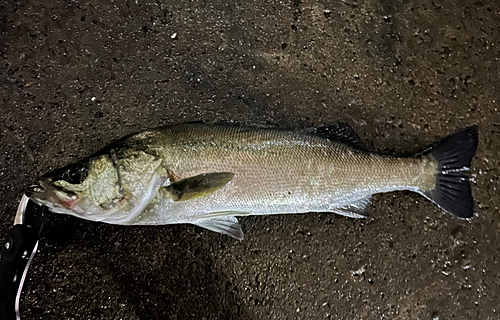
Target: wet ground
(76,75)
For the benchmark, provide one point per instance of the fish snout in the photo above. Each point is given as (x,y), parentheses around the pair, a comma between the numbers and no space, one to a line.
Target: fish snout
(38,189)
(33,190)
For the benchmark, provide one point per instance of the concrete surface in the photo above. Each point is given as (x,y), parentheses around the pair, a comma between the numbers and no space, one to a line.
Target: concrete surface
(76,75)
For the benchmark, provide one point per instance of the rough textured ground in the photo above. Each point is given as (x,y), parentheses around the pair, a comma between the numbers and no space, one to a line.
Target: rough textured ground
(75,75)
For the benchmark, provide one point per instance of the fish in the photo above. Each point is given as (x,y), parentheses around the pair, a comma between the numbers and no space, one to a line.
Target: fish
(210,174)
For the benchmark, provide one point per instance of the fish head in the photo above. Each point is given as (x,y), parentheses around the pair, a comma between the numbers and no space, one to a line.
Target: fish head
(88,189)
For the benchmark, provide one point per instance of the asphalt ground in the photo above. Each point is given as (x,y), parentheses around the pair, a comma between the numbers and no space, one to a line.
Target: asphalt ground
(76,75)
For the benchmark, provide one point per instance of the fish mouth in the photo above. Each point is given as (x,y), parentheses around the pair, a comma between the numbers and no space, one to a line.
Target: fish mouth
(45,193)
(34,190)
(42,191)
(40,187)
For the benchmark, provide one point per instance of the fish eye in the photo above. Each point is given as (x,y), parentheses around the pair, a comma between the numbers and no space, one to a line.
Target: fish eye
(76,174)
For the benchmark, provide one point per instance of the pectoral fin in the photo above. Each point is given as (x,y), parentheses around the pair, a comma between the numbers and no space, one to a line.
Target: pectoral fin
(226,225)
(198,186)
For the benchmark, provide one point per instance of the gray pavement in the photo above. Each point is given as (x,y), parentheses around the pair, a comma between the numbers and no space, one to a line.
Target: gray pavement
(75,75)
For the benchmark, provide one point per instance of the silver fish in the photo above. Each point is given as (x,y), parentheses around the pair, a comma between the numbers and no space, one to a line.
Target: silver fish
(208,174)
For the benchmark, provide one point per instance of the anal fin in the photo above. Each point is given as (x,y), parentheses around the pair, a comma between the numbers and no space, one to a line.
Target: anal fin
(226,225)
(358,209)
(219,214)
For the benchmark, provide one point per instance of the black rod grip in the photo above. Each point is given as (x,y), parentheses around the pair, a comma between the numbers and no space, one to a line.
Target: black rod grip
(16,254)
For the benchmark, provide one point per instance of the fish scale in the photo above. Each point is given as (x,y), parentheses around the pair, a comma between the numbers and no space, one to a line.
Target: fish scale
(278,171)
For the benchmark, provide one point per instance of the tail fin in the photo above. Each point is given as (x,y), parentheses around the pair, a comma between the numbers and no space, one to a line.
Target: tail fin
(454,154)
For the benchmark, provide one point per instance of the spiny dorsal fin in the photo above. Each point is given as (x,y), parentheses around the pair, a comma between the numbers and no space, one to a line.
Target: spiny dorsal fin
(341,132)
(198,186)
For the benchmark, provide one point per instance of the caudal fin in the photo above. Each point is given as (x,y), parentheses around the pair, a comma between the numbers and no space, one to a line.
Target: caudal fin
(454,154)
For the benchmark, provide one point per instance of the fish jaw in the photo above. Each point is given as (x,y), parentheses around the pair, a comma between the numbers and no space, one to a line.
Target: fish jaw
(58,201)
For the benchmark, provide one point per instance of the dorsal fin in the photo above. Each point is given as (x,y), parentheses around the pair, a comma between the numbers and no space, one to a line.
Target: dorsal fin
(340,132)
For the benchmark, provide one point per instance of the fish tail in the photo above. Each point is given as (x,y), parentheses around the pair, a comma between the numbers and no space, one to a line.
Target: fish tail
(453,154)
